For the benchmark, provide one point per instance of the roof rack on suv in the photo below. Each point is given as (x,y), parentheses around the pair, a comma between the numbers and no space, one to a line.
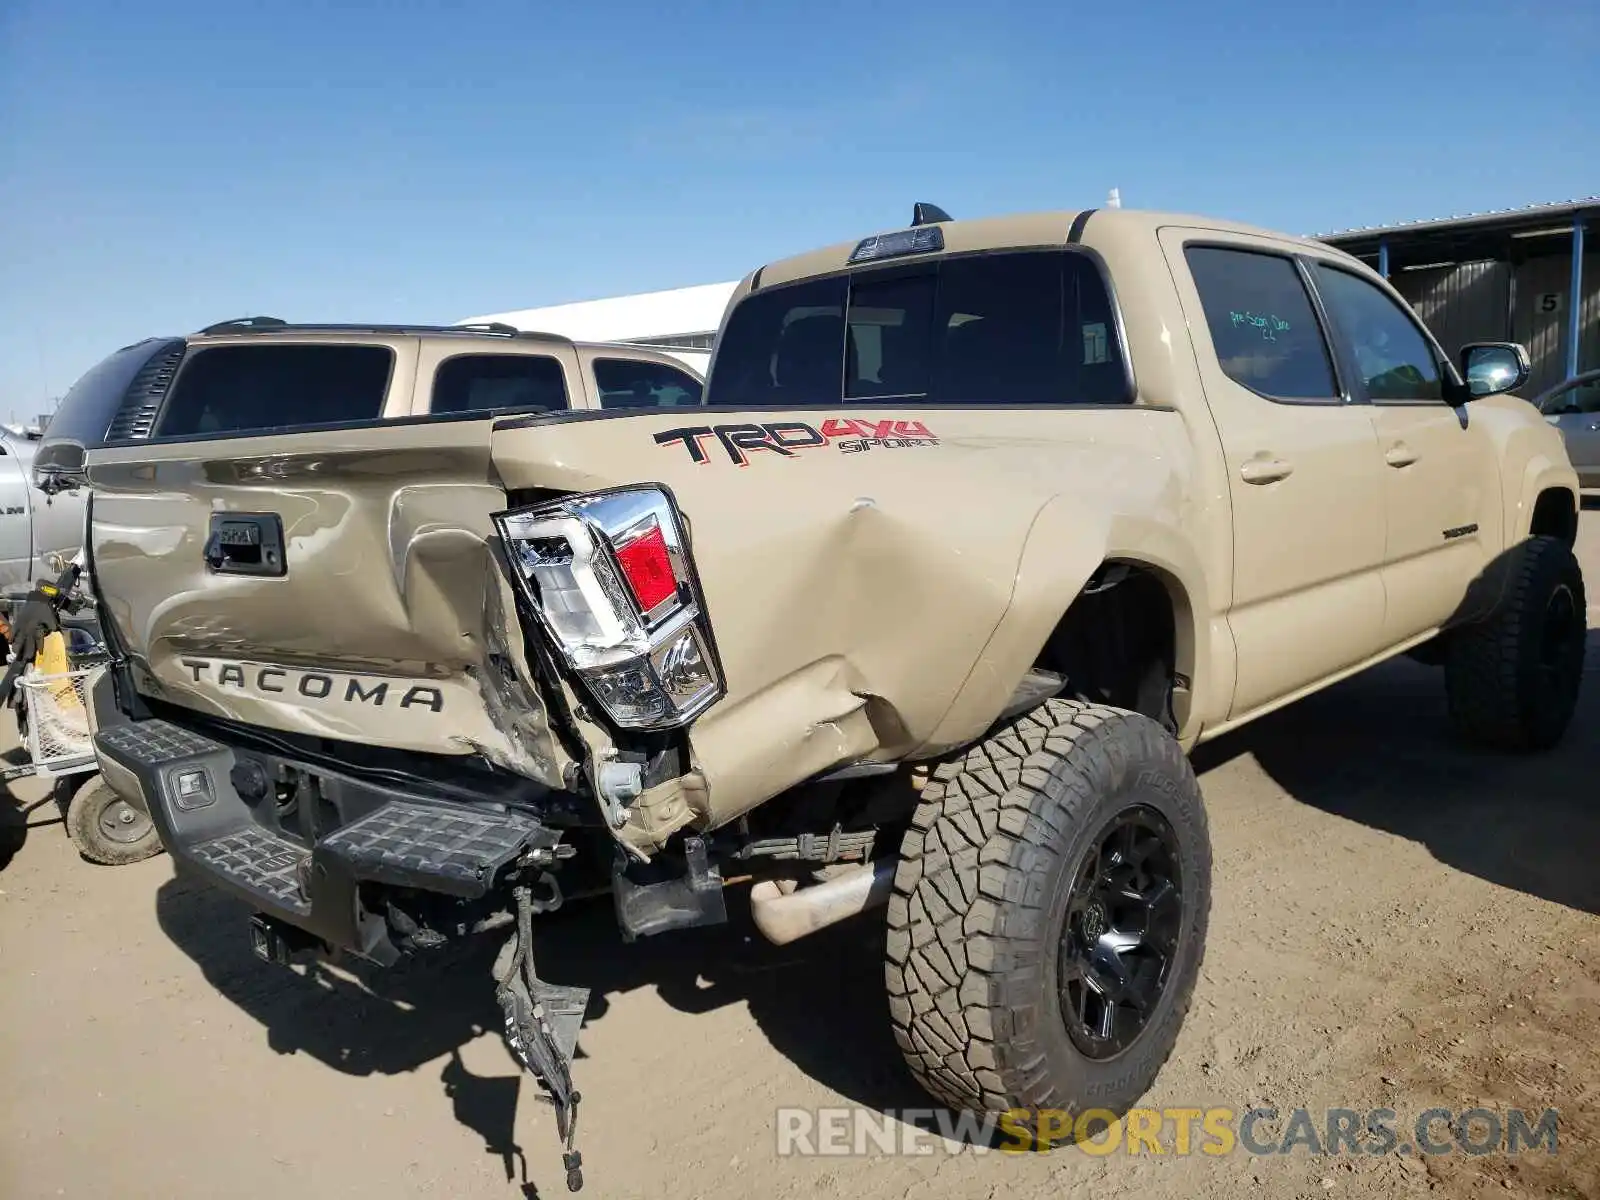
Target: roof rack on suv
(243,324)
(278,325)
(490,327)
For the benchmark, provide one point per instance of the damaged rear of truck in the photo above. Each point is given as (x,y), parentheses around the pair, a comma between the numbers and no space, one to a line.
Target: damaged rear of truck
(398,681)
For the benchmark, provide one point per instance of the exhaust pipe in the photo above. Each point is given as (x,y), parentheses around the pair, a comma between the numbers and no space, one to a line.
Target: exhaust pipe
(784,912)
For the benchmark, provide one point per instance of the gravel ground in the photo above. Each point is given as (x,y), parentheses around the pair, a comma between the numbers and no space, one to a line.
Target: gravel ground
(1398,923)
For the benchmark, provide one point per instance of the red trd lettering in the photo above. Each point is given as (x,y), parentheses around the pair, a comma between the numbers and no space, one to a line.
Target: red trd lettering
(835,428)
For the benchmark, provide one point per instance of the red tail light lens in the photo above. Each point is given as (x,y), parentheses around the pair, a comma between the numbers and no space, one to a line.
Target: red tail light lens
(609,577)
(648,569)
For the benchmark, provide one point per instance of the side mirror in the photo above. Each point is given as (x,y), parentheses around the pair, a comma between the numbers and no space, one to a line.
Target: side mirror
(1494,368)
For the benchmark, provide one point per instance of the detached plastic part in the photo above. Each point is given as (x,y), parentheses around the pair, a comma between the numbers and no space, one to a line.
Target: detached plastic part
(692,900)
(542,1021)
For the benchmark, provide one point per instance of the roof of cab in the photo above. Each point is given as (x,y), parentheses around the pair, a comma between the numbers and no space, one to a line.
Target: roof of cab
(1095,226)
(486,333)
(267,327)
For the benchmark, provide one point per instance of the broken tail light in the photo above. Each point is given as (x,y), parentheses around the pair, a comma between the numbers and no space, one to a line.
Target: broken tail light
(609,578)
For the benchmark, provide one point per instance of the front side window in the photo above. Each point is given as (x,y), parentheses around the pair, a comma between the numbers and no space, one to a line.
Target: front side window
(479,382)
(630,383)
(237,389)
(1011,327)
(1263,327)
(1393,359)
(1579,399)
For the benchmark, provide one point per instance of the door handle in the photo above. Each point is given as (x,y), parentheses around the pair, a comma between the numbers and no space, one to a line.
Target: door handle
(1265,470)
(1400,455)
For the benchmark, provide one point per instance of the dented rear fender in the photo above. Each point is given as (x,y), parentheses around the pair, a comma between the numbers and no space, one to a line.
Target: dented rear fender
(1068,541)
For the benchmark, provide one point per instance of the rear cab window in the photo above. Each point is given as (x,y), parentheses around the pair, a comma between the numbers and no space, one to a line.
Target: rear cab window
(638,383)
(996,328)
(228,389)
(476,383)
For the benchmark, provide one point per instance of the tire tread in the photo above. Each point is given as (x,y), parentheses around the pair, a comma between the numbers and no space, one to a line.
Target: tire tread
(961,1003)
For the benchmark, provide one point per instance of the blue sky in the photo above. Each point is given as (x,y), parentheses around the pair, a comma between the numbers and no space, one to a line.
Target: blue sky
(164,165)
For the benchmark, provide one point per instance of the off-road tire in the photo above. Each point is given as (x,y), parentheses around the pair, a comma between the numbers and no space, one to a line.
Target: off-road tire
(976,919)
(1507,685)
(85,820)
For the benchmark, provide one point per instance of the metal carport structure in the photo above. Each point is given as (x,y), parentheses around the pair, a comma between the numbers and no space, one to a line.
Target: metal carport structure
(1529,275)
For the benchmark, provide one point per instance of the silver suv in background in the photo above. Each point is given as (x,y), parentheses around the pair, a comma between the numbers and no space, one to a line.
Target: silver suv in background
(1573,407)
(35,527)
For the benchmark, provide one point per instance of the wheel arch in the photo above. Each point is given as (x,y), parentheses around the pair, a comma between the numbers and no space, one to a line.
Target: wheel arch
(1067,556)
(1543,497)
(1555,514)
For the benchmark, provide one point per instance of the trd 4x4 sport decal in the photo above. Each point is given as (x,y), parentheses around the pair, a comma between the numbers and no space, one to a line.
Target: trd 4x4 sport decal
(785,438)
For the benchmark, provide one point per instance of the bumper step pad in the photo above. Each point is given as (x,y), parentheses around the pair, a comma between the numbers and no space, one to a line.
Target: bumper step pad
(450,850)
(260,862)
(154,742)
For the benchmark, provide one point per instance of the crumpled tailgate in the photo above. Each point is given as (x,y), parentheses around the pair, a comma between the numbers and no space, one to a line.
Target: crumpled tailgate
(390,623)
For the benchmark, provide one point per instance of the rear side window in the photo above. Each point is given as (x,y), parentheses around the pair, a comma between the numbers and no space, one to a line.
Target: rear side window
(1018,327)
(1263,327)
(234,389)
(476,382)
(629,383)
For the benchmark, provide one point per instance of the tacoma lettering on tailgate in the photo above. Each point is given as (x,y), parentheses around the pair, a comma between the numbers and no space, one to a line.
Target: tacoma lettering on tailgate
(786,438)
(269,682)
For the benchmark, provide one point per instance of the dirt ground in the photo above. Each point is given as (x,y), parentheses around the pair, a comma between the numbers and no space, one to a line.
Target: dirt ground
(1398,923)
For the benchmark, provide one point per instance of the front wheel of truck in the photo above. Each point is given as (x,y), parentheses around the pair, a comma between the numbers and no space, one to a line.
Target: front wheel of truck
(1512,680)
(1049,918)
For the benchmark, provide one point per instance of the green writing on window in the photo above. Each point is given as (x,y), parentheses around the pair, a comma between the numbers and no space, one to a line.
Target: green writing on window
(1270,325)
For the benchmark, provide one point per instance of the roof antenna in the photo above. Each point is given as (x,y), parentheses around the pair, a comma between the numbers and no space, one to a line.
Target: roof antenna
(1114,199)
(926,214)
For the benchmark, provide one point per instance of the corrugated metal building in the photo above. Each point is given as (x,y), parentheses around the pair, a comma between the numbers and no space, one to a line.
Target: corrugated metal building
(1528,275)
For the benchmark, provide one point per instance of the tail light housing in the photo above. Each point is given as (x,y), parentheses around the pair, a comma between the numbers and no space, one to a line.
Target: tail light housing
(609,577)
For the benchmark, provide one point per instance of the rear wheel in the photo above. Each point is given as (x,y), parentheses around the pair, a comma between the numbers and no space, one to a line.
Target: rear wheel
(1049,916)
(107,829)
(1512,680)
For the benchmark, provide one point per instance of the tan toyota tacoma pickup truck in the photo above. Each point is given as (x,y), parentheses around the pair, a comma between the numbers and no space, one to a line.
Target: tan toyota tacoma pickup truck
(980,527)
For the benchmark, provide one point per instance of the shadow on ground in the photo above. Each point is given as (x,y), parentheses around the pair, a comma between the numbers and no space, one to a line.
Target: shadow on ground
(820,1002)
(1375,749)
(13,827)
(1378,749)
(17,816)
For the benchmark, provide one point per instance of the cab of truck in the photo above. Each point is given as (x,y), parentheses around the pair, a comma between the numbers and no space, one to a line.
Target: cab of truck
(257,374)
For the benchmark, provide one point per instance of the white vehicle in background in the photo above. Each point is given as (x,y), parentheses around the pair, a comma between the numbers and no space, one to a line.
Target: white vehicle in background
(682,322)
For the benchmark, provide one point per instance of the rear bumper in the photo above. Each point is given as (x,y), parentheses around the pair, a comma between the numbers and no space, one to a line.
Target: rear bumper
(187,782)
